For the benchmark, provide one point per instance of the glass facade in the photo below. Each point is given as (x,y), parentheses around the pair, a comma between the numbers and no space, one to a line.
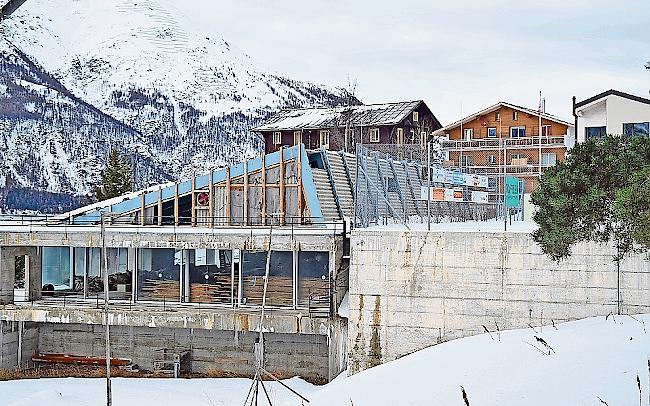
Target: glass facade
(159,274)
(56,269)
(313,279)
(211,276)
(280,286)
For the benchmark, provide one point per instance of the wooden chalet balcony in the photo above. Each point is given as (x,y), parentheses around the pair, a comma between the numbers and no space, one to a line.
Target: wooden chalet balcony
(510,143)
(510,169)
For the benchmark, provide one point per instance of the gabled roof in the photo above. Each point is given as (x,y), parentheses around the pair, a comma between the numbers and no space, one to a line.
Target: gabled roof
(498,105)
(355,116)
(612,92)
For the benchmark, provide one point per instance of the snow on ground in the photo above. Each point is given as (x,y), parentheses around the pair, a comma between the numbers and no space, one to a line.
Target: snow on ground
(585,361)
(134,391)
(591,359)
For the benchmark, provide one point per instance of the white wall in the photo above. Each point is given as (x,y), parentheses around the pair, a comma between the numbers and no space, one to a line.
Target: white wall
(621,110)
(612,112)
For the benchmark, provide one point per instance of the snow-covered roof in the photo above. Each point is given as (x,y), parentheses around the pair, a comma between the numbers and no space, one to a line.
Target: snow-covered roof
(495,107)
(315,118)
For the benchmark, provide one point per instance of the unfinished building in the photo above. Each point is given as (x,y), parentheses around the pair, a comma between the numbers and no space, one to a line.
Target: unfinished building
(186,267)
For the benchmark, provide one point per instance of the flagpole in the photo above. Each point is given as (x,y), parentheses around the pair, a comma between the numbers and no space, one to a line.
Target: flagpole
(540,134)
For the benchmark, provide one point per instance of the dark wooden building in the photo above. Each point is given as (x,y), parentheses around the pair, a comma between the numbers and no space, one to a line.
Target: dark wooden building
(341,128)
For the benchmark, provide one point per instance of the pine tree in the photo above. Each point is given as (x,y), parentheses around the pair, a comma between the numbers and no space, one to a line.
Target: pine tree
(600,194)
(116,177)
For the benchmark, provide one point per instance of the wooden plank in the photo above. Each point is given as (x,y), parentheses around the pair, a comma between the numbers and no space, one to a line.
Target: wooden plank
(160,206)
(211,194)
(282,218)
(299,174)
(263,165)
(142,209)
(193,214)
(245,192)
(228,196)
(176,208)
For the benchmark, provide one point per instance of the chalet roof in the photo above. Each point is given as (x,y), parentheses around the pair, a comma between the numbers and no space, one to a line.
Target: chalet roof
(495,107)
(355,116)
(612,92)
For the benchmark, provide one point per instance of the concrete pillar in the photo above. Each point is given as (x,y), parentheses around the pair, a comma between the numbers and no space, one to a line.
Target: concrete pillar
(7,275)
(34,276)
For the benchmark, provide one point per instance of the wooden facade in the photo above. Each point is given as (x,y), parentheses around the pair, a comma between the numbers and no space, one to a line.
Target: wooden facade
(415,124)
(506,139)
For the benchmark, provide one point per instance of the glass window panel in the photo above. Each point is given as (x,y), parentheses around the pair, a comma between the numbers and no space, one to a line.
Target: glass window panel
(280,286)
(56,268)
(210,281)
(159,274)
(313,279)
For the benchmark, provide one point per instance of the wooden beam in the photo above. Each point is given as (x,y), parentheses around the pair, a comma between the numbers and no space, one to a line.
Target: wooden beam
(176,208)
(160,206)
(245,192)
(211,197)
(193,214)
(299,194)
(282,214)
(142,209)
(263,165)
(228,195)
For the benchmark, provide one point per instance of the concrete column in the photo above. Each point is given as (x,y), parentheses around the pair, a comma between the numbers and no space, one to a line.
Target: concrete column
(35,276)
(7,275)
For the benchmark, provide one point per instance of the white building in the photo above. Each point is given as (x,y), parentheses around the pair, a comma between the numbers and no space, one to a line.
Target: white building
(611,112)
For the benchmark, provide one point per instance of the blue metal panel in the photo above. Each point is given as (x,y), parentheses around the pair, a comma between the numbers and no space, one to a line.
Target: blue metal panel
(311,195)
(254,164)
(219,176)
(201,181)
(151,198)
(184,187)
(168,192)
(126,206)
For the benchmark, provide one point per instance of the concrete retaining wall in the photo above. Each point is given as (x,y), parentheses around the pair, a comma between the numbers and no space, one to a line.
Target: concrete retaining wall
(413,289)
(212,350)
(18,341)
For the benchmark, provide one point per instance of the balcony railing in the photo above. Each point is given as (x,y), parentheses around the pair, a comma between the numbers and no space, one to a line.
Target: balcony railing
(527,169)
(508,143)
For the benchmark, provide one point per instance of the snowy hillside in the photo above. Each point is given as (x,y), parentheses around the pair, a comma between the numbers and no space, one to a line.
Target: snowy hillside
(192,98)
(577,363)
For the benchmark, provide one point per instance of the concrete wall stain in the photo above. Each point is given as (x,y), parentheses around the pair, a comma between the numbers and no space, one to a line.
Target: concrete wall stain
(359,341)
(374,355)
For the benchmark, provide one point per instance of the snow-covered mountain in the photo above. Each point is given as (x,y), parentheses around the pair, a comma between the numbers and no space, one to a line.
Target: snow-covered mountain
(181,102)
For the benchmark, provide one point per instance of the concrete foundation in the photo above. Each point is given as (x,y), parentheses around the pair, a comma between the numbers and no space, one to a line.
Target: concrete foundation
(413,289)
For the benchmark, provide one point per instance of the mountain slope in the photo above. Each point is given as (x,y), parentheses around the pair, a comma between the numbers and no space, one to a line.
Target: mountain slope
(191,98)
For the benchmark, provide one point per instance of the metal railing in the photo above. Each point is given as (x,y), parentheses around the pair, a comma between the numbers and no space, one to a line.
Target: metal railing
(508,143)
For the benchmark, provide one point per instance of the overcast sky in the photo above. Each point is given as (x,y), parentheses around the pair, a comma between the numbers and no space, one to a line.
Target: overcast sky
(449,53)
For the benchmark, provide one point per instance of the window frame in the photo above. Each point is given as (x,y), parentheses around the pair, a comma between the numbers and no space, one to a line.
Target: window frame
(469,131)
(424,137)
(297,137)
(416,116)
(635,132)
(519,128)
(372,131)
(277,137)
(324,134)
(399,135)
(546,130)
(545,162)
(602,131)
(495,132)
(515,115)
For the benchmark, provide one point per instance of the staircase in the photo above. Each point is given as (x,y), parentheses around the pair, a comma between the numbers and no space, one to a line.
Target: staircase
(325,195)
(343,185)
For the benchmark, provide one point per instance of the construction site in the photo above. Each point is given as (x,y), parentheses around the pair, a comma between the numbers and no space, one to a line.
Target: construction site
(189,275)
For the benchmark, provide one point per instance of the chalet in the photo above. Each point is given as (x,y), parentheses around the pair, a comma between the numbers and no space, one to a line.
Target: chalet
(341,128)
(611,112)
(505,138)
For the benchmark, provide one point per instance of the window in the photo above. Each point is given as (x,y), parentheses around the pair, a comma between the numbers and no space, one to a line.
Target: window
(468,133)
(392,185)
(492,132)
(423,137)
(350,133)
(466,160)
(277,137)
(595,132)
(374,135)
(515,115)
(546,131)
(297,137)
(519,159)
(325,138)
(416,116)
(636,129)
(400,135)
(497,116)
(491,159)
(549,159)
(517,132)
